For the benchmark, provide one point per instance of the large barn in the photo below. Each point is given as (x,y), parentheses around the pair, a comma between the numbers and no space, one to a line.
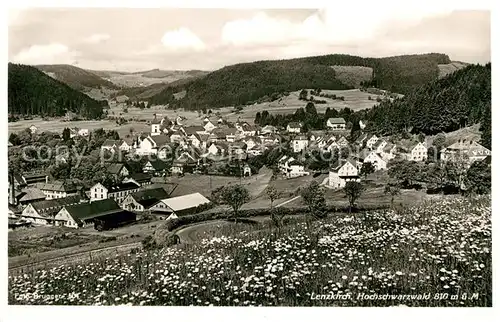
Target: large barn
(104,214)
(177,206)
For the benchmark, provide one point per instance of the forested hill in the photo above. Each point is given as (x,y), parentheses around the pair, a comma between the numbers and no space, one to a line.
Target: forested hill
(460,99)
(75,77)
(32,92)
(243,84)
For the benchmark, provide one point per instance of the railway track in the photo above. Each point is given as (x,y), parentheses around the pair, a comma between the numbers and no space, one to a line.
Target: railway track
(76,257)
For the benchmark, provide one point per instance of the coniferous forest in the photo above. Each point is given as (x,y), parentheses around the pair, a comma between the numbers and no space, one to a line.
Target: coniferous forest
(31,92)
(460,99)
(243,84)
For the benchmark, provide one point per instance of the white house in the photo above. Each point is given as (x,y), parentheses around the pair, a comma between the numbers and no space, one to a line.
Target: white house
(83,132)
(362,125)
(389,151)
(155,127)
(293,127)
(371,141)
(336,123)
(342,142)
(125,146)
(418,152)
(117,191)
(376,159)
(342,172)
(208,126)
(268,129)
(58,189)
(284,163)
(33,129)
(379,146)
(332,146)
(151,144)
(295,169)
(467,150)
(299,143)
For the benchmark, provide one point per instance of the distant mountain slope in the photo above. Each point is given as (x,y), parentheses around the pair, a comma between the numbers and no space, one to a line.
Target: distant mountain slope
(77,78)
(460,99)
(244,83)
(144,79)
(146,92)
(32,92)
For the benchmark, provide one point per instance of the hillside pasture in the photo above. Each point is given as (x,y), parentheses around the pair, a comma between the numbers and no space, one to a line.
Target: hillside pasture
(58,126)
(445,69)
(353,99)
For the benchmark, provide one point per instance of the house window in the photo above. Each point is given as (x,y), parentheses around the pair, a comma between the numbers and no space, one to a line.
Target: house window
(101,196)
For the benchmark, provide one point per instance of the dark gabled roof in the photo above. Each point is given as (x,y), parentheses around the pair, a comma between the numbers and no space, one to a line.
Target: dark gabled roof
(52,206)
(340,163)
(158,164)
(160,139)
(379,143)
(19,178)
(336,120)
(193,129)
(112,143)
(248,127)
(60,186)
(115,168)
(98,208)
(141,177)
(34,176)
(30,194)
(149,197)
(294,125)
(121,187)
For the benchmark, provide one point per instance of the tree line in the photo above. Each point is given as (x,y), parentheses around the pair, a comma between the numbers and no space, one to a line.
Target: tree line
(31,92)
(243,84)
(460,99)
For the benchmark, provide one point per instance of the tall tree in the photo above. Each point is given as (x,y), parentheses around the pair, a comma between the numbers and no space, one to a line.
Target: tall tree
(235,196)
(353,191)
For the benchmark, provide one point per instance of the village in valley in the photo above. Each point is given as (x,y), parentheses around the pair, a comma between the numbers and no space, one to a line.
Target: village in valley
(215,147)
(249,159)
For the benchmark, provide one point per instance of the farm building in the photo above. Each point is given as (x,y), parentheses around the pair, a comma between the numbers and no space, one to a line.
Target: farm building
(177,206)
(28,195)
(336,123)
(35,177)
(58,189)
(104,214)
(43,212)
(144,199)
(141,179)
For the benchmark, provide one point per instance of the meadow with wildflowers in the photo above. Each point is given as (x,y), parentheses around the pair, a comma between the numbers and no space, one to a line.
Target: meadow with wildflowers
(437,253)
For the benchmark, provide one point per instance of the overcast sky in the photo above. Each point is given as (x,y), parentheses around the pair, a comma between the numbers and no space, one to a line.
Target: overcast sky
(140,39)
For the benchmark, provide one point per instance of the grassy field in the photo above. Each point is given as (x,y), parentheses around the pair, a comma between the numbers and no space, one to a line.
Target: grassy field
(435,247)
(353,99)
(445,69)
